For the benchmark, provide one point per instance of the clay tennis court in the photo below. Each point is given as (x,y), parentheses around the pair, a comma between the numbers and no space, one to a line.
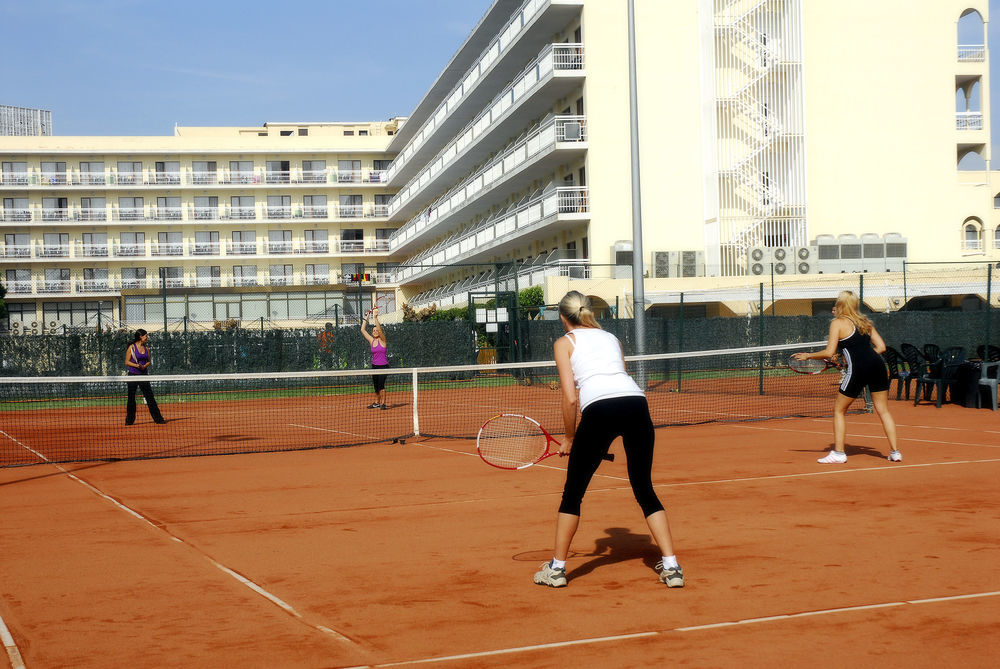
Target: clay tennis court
(421,555)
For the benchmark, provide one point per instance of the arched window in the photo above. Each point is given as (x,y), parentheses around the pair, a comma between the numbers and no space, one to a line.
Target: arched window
(996,238)
(971,37)
(996,201)
(971,240)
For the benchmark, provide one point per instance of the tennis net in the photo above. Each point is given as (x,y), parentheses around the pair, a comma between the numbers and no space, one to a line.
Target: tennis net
(74,419)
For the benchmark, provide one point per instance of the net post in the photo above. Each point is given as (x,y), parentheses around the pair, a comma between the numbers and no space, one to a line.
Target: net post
(989,315)
(416,413)
(760,342)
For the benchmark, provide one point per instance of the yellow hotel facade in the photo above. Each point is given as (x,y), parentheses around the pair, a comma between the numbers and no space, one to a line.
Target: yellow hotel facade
(821,138)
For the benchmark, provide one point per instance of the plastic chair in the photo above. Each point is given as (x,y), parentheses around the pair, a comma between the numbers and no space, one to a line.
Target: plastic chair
(992,355)
(898,371)
(914,359)
(940,375)
(932,352)
(988,372)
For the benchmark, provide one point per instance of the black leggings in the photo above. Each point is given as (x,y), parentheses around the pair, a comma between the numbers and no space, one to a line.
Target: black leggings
(147,393)
(601,423)
(378,380)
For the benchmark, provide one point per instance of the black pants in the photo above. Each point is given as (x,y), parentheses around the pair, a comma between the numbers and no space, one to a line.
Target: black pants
(147,393)
(600,424)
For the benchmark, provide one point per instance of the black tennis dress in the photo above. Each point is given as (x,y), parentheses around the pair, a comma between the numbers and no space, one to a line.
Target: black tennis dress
(865,367)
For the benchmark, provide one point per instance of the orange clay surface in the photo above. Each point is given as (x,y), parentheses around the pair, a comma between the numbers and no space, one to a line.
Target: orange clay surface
(422,555)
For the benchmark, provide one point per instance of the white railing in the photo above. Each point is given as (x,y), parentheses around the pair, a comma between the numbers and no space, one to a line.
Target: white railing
(93,286)
(90,214)
(554,57)
(189,212)
(968,121)
(129,250)
(153,249)
(43,250)
(204,248)
(167,249)
(15,215)
(168,213)
(251,177)
(16,251)
(971,53)
(540,140)
(468,82)
(92,250)
(508,225)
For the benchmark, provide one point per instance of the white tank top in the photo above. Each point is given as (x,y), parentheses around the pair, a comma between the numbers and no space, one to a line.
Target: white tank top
(597,367)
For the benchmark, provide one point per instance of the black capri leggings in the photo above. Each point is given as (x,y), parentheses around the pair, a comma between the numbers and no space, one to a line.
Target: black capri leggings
(601,423)
(378,380)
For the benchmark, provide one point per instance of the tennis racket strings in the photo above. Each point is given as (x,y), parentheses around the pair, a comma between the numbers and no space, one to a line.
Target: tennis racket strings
(512,442)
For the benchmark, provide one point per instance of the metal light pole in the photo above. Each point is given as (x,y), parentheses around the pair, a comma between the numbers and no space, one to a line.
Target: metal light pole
(638,291)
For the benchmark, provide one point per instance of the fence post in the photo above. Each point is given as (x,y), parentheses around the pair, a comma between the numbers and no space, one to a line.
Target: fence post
(760,342)
(989,315)
(861,289)
(680,341)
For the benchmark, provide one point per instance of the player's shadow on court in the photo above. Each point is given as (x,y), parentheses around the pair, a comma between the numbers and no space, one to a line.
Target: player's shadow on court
(619,545)
(849,450)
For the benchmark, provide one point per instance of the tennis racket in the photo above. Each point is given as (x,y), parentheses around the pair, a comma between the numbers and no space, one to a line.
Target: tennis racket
(815,366)
(381,304)
(512,441)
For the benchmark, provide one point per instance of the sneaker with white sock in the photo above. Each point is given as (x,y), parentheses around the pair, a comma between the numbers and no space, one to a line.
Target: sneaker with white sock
(895,456)
(833,458)
(672,576)
(554,578)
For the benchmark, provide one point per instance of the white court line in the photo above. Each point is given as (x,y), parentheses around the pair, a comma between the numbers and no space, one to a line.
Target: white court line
(326,429)
(16,661)
(224,569)
(539,465)
(867,436)
(693,628)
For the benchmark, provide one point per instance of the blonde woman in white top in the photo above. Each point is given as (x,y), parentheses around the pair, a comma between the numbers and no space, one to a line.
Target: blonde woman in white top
(592,376)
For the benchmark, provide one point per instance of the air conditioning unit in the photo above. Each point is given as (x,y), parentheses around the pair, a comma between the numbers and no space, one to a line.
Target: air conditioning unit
(664,264)
(806,259)
(872,253)
(784,260)
(895,251)
(621,252)
(692,263)
(759,261)
(827,254)
(851,257)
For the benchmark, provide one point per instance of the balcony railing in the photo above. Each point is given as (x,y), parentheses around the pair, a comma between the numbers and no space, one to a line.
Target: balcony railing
(93,286)
(252,177)
(553,58)
(204,248)
(52,250)
(541,139)
(971,53)
(282,247)
(968,121)
(241,248)
(189,212)
(92,250)
(16,251)
(15,215)
(167,249)
(90,214)
(129,250)
(39,285)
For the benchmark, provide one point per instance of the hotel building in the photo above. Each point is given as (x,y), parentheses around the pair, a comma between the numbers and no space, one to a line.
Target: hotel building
(814,137)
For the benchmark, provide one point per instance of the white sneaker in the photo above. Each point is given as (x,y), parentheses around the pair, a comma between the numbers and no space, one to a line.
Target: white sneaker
(895,456)
(833,458)
(554,578)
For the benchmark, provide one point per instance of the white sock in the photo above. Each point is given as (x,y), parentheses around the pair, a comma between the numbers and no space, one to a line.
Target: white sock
(670,561)
(557,564)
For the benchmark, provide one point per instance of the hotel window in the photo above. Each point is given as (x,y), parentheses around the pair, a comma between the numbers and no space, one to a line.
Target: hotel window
(14,173)
(206,208)
(18,281)
(314,206)
(313,171)
(351,206)
(349,171)
(362,133)
(303,132)
(244,242)
(132,244)
(317,241)
(209,276)
(277,171)
(203,171)
(92,173)
(17,245)
(55,209)
(348,133)
(168,172)
(129,172)
(279,206)
(381,164)
(57,280)
(95,278)
(21,312)
(169,244)
(130,209)
(244,275)
(95,244)
(317,275)
(171,277)
(93,209)
(279,241)
(352,241)
(206,243)
(168,208)
(16,209)
(133,277)
(53,173)
(281,275)
(241,171)
(55,244)
(382,204)
(242,206)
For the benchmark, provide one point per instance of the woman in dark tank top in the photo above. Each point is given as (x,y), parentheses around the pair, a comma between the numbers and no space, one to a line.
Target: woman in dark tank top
(137,362)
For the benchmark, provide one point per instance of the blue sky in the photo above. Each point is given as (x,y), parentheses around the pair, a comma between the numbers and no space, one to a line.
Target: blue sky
(136,67)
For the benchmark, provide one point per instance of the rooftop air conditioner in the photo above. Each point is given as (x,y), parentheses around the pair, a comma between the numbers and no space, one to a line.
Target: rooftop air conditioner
(759,261)
(784,260)
(621,252)
(827,254)
(895,251)
(851,257)
(664,264)
(872,253)
(806,259)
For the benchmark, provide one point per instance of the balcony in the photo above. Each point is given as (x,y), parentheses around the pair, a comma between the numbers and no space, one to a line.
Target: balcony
(168,213)
(241,213)
(52,251)
(130,214)
(545,212)
(557,70)
(241,248)
(204,248)
(968,121)
(93,286)
(539,151)
(204,213)
(167,178)
(167,249)
(971,53)
(54,286)
(19,287)
(271,213)
(53,214)
(91,214)
(129,250)
(92,250)
(16,251)
(279,247)
(513,37)
(15,215)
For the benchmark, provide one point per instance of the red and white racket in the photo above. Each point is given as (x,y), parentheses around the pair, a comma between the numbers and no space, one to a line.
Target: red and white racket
(381,304)
(512,441)
(814,366)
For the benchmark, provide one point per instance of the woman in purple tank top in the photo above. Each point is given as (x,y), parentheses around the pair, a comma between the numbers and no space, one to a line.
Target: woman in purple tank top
(380,358)
(137,362)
